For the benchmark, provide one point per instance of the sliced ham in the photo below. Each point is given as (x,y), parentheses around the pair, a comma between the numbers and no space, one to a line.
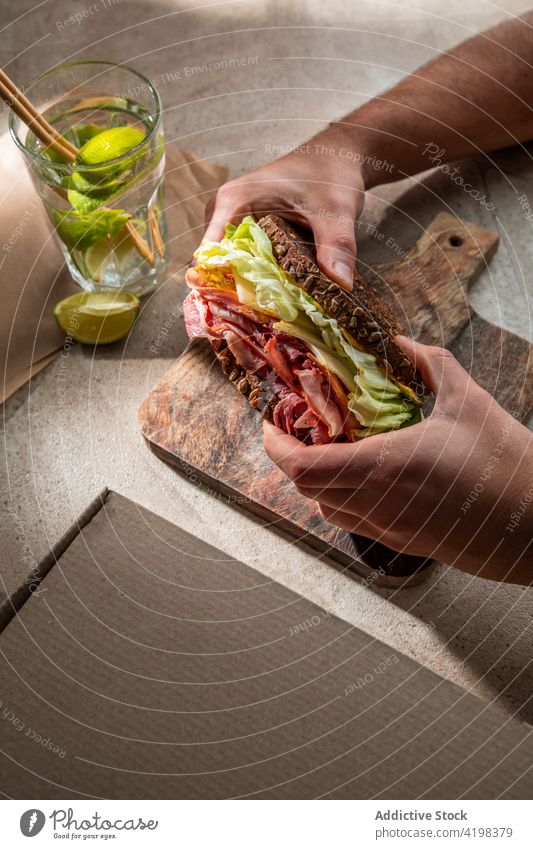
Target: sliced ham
(223,299)
(221,314)
(294,350)
(245,340)
(307,419)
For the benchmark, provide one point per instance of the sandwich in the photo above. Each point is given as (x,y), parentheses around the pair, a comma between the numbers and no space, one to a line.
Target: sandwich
(318,362)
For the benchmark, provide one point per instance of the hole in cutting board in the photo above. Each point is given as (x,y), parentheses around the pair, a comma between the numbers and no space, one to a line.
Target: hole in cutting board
(455,241)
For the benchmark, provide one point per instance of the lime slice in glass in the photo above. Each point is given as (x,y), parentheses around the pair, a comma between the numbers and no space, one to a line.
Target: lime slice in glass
(124,250)
(98,257)
(97,318)
(118,251)
(110,144)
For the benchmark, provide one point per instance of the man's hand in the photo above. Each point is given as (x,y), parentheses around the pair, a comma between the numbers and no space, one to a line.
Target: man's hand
(447,487)
(319,185)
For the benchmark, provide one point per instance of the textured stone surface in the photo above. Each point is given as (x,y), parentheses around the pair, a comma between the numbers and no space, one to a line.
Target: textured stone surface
(304,64)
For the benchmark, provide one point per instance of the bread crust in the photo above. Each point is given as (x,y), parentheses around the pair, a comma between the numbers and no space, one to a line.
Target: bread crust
(249,385)
(362,312)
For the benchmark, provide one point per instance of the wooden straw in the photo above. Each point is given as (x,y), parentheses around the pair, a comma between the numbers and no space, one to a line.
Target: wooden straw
(143,248)
(50,138)
(37,124)
(17,95)
(156,233)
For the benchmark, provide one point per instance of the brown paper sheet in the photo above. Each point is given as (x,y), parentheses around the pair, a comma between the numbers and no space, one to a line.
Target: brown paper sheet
(32,270)
(150,665)
(190,182)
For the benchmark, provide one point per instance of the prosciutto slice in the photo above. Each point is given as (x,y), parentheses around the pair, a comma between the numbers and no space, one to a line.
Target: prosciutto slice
(289,411)
(248,355)
(195,313)
(319,397)
(280,364)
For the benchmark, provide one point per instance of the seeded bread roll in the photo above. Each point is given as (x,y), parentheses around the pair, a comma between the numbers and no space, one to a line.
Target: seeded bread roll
(361,312)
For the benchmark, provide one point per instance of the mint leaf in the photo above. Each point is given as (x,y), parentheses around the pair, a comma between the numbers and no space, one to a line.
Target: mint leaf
(82,203)
(81,230)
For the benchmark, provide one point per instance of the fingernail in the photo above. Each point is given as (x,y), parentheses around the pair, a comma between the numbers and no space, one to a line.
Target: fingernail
(344,272)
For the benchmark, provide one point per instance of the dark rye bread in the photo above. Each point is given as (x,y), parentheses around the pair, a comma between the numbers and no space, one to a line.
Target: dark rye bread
(249,385)
(362,312)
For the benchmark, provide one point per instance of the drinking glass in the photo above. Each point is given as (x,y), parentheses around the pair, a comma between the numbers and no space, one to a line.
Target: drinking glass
(107,206)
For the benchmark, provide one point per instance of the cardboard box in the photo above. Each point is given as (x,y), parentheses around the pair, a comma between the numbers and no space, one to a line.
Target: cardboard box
(150,665)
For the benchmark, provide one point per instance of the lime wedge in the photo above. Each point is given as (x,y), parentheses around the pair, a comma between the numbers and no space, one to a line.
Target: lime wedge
(97,318)
(110,144)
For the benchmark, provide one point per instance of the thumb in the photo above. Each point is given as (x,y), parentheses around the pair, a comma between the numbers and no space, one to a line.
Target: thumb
(439,369)
(336,248)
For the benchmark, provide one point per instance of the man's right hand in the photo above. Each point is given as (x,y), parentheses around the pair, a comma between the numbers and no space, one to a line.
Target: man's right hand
(456,486)
(319,185)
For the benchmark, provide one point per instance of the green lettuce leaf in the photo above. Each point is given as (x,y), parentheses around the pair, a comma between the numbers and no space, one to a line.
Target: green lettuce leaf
(259,279)
(377,402)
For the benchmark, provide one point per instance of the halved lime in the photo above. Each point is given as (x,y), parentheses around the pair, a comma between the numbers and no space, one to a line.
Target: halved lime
(110,144)
(97,318)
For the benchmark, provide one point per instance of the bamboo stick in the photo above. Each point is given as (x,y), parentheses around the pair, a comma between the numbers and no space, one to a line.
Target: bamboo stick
(37,125)
(28,105)
(156,233)
(143,248)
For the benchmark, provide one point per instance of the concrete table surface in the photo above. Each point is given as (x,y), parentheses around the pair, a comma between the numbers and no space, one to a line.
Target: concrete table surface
(295,66)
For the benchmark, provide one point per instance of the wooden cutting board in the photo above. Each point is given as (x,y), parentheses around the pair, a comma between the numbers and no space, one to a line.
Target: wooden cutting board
(195,420)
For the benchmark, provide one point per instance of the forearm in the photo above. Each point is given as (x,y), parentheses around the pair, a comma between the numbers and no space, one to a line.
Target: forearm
(504,544)
(512,564)
(477,97)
